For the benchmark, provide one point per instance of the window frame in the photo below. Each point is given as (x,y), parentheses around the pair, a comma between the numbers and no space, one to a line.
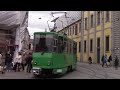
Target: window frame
(86,23)
(76,29)
(98,18)
(91,45)
(107,43)
(92,20)
(85,46)
(107,16)
(80,46)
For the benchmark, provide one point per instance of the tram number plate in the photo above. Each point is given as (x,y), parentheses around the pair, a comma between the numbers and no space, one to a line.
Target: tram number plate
(59,70)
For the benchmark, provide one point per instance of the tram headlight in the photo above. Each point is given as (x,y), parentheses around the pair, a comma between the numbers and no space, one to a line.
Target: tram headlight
(49,63)
(35,63)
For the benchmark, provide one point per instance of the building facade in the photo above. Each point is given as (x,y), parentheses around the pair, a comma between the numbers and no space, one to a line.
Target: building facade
(116,35)
(14,35)
(92,32)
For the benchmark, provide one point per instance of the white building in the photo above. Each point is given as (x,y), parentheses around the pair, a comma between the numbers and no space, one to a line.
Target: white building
(15,22)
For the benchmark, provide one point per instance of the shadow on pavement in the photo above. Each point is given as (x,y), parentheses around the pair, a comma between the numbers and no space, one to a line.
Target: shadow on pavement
(46,77)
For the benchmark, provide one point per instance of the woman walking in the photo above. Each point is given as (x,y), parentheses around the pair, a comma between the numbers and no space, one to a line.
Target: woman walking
(18,61)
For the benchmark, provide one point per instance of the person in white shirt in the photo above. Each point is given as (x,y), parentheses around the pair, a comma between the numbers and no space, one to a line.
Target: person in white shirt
(18,61)
(1,58)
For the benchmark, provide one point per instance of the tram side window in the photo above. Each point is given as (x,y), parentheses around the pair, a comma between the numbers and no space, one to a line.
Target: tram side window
(55,45)
(60,44)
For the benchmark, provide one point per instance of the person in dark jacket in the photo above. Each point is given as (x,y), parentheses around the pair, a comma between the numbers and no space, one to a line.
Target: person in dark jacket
(109,60)
(116,63)
(6,57)
(9,61)
(102,60)
(29,62)
(90,60)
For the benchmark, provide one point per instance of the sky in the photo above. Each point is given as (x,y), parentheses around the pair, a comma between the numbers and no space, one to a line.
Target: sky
(39,25)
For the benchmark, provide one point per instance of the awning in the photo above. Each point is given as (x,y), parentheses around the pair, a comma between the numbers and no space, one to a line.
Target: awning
(8,45)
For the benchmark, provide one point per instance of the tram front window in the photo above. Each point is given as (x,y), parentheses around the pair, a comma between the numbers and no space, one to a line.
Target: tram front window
(43,43)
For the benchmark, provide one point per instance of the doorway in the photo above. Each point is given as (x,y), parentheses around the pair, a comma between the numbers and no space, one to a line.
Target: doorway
(98,50)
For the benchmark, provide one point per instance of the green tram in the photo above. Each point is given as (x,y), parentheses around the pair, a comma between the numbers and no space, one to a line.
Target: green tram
(53,53)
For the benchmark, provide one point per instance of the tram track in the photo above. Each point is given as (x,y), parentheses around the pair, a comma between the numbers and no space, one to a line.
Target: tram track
(93,71)
(106,75)
(107,72)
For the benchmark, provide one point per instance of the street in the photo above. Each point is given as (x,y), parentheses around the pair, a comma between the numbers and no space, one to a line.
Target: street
(84,71)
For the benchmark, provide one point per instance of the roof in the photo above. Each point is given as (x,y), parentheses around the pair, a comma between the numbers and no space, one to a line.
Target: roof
(73,16)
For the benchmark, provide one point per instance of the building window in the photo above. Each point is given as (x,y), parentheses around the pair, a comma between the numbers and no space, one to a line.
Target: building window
(98,18)
(80,27)
(85,23)
(79,46)
(107,16)
(76,29)
(91,45)
(98,42)
(107,43)
(85,46)
(91,21)
(68,31)
(73,30)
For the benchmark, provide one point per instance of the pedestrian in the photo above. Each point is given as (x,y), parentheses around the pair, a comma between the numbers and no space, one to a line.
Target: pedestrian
(90,60)
(105,60)
(109,60)
(23,61)
(116,63)
(18,60)
(102,60)
(9,62)
(6,58)
(1,63)
(29,62)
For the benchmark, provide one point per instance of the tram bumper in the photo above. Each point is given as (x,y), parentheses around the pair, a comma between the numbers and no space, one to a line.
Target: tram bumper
(36,71)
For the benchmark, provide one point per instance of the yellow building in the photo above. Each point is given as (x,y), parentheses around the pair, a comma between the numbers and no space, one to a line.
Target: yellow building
(92,32)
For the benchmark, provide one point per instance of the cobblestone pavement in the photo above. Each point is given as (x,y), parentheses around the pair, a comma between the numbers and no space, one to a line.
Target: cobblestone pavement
(83,71)
(93,71)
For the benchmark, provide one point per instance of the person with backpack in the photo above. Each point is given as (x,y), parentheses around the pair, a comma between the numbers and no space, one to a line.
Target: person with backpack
(104,60)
